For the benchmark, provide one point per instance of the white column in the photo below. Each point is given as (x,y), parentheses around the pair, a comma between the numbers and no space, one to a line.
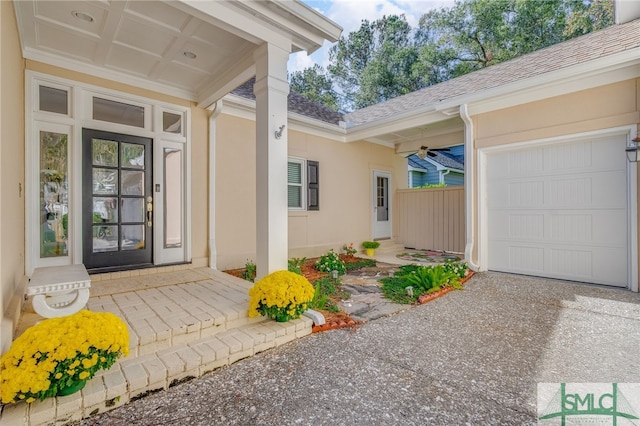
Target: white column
(271,90)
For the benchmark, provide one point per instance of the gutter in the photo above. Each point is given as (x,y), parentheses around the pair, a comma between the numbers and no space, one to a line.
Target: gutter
(213,253)
(469,186)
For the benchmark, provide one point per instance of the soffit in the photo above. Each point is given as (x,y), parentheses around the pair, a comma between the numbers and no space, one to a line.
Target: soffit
(147,43)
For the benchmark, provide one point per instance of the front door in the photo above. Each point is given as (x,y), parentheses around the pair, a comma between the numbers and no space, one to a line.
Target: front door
(382,205)
(117,201)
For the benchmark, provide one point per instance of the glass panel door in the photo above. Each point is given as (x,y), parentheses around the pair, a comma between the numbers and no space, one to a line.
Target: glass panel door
(117,200)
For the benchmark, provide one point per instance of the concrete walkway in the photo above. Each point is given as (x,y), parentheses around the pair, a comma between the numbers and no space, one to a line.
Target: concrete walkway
(471,357)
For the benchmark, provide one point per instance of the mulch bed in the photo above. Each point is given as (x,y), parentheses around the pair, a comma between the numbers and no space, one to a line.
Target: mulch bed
(334,320)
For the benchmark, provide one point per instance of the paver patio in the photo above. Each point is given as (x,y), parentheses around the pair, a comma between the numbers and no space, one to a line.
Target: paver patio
(182,323)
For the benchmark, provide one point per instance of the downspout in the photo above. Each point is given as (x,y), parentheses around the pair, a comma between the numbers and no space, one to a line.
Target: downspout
(469,186)
(215,111)
(442,174)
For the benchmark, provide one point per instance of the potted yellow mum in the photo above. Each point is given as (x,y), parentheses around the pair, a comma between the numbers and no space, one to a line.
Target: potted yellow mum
(281,295)
(58,355)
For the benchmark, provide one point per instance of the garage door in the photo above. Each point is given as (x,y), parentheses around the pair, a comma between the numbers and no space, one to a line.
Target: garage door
(560,211)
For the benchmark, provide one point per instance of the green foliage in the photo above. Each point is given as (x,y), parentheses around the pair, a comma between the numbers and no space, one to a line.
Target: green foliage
(349,250)
(361,263)
(387,57)
(331,262)
(430,279)
(249,272)
(295,264)
(457,268)
(423,279)
(316,85)
(430,185)
(370,244)
(325,295)
(394,289)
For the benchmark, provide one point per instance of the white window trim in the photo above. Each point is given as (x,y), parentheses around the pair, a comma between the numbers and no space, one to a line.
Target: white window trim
(79,116)
(303,183)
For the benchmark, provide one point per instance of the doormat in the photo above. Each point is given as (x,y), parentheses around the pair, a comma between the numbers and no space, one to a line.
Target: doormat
(428,256)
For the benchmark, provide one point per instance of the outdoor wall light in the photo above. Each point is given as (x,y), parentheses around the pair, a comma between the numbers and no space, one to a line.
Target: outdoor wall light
(422,152)
(409,291)
(278,133)
(633,151)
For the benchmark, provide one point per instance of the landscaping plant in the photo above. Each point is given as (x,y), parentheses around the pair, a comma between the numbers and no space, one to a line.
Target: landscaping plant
(423,279)
(249,272)
(331,262)
(61,353)
(349,250)
(281,296)
(295,264)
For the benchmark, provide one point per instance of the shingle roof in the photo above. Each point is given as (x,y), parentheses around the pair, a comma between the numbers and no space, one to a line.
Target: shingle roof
(296,102)
(442,157)
(599,44)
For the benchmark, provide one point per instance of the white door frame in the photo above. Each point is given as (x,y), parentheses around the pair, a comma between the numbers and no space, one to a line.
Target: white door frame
(632,211)
(381,230)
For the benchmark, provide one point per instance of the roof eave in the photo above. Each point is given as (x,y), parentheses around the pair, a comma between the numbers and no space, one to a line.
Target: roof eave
(610,69)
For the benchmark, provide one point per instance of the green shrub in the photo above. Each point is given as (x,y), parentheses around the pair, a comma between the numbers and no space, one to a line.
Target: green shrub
(457,268)
(249,272)
(370,244)
(331,262)
(361,263)
(428,279)
(295,264)
(423,279)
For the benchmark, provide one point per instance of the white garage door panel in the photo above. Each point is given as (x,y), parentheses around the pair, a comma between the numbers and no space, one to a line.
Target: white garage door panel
(596,227)
(560,211)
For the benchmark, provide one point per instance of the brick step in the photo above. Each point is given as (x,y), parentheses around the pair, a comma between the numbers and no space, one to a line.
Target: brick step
(162,317)
(134,377)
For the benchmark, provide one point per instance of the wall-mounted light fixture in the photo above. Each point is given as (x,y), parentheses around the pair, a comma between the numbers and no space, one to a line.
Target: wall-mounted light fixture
(278,133)
(633,151)
(422,152)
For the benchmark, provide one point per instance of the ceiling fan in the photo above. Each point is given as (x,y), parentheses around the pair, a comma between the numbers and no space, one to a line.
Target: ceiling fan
(424,151)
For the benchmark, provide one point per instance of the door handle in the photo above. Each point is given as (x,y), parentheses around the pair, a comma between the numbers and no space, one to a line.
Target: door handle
(149,212)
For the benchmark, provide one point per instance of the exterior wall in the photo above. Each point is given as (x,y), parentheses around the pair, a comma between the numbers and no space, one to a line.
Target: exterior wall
(11,174)
(454,179)
(417,179)
(600,108)
(346,201)
(603,107)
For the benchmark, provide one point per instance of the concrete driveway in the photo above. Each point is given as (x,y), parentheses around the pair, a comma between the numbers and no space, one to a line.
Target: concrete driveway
(471,357)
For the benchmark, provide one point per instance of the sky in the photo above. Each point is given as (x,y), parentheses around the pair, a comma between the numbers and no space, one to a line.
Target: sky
(350,13)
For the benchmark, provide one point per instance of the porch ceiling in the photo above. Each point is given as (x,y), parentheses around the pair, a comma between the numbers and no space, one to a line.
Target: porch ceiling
(195,50)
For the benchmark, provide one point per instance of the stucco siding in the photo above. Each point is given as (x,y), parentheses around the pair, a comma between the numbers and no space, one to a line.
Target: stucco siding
(345,192)
(599,108)
(11,174)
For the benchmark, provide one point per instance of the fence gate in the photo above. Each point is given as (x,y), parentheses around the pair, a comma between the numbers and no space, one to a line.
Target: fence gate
(431,219)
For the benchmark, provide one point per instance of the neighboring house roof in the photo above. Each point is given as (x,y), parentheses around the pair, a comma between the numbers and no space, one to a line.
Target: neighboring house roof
(443,158)
(592,46)
(297,103)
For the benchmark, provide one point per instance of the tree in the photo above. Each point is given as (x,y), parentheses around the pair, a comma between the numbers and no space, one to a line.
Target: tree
(374,63)
(387,58)
(314,84)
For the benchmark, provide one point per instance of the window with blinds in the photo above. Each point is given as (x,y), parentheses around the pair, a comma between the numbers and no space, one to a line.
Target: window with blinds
(303,184)
(295,184)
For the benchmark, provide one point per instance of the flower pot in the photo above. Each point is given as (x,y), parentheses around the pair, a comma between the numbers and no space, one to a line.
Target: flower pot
(75,387)
(370,251)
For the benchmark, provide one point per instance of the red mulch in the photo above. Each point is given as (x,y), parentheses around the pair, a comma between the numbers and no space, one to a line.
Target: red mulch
(333,320)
